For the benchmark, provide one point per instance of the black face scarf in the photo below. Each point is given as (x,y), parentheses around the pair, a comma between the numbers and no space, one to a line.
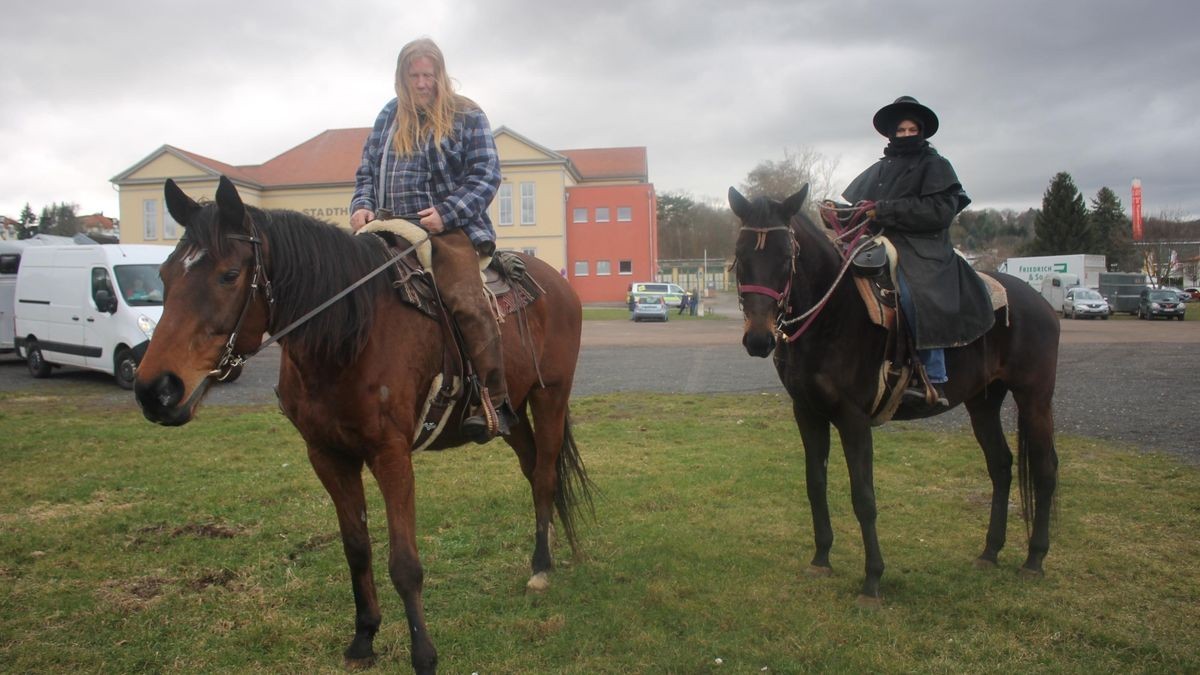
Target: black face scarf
(906,146)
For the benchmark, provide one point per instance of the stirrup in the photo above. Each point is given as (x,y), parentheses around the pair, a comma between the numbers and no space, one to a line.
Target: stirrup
(490,422)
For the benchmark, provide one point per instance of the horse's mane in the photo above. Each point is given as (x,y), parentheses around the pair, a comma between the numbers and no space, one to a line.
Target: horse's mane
(308,262)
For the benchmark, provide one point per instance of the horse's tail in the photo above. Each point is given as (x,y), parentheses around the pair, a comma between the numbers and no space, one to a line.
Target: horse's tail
(1024,474)
(574,486)
(1025,477)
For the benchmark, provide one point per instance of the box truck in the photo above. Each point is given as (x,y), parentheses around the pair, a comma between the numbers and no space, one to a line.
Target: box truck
(93,307)
(1031,270)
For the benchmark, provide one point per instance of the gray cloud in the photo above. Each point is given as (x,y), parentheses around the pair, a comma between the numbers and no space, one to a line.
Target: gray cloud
(1024,89)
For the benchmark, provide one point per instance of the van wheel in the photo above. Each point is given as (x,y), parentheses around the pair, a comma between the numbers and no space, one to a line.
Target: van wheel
(125,368)
(37,364)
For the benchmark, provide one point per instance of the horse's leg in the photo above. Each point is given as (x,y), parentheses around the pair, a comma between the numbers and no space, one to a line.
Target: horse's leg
(394,473)
(549,408)
(1035,448)
(342,478)
(989,432)
(858,446)
(814,433)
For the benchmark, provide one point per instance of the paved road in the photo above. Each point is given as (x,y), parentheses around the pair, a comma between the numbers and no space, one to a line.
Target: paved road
(1129,381)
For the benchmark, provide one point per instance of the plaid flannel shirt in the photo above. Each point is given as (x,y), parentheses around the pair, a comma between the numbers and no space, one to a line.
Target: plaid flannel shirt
(460,180)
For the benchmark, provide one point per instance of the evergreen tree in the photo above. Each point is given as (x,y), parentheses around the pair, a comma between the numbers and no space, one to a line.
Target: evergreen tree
(1062,227)
(59,219)
(28,226)
(1113,231)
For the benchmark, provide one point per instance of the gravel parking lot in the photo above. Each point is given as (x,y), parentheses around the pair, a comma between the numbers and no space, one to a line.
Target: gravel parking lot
(1133,382)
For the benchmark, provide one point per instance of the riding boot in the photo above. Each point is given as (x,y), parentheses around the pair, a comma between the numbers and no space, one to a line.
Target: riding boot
(915,396)
(456,273)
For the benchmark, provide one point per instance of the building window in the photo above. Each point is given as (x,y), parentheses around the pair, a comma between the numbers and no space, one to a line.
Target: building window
(505,208)
(527,204)
(603,268)
(601,214)
(625,267)
(150,219)
(581,268)
(580,216)
(529,251)
(170,227)
(624,214)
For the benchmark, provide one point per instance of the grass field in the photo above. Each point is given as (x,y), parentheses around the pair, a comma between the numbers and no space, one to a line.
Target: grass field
(126,547)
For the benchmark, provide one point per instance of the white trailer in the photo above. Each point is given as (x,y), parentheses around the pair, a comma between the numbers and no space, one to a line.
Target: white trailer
(1032,270)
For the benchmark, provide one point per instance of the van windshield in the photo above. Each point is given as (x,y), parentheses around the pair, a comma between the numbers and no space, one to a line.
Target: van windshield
(140,285)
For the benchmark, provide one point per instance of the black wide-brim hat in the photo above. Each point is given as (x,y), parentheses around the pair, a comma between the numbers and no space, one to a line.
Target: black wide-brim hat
(905,108)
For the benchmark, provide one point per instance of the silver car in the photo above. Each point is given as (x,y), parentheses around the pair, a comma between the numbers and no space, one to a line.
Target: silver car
(1085,302)
(650,307)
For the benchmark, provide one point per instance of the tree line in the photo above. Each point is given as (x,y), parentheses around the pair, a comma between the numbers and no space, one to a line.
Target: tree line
(61,219)
(689,228)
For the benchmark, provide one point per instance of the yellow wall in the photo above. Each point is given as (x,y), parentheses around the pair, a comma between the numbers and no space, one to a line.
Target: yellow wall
(520,162)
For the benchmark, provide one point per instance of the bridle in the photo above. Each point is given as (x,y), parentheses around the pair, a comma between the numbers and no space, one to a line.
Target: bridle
(229,358)
(860,216)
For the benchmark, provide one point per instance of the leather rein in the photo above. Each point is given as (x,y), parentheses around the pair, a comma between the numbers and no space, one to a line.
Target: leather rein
(860,217)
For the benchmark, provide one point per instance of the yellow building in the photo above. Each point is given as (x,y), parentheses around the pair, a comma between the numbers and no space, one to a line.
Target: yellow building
(317,178)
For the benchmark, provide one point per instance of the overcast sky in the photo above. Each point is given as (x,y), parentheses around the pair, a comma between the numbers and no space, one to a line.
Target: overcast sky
(1105,90)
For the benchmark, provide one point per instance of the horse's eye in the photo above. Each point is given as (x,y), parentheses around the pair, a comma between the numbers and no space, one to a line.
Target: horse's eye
(230,276)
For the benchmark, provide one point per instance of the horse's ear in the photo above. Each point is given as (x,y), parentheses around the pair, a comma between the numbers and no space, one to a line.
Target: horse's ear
(179,205)
(793,204)
(741,207)
(229,205)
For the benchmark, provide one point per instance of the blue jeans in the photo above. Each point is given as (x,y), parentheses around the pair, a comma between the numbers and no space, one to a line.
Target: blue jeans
(934,360)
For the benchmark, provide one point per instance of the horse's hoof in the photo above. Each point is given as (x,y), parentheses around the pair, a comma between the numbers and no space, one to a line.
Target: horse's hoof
(538,583)
(817,572)
(1026,573)
(360,664)
(984,564)
(868,602)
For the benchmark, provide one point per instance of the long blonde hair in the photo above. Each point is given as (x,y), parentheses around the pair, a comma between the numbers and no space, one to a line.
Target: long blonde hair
(437,120)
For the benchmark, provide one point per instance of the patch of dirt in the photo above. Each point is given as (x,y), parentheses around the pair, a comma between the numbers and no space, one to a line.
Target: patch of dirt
(133,595)
(207,531)
(41,512)
(221,577)
(313,543)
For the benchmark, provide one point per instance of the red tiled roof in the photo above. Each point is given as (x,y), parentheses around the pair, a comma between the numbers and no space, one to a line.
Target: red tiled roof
(334,155)
(609,163)
(233,172)
(330,157)
(96,222)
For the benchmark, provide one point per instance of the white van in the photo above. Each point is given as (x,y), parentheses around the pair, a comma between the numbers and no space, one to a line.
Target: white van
(93,307)
(10,261)
(1054,287)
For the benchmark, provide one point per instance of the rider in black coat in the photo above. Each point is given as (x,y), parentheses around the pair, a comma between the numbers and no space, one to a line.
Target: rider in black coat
(917,195)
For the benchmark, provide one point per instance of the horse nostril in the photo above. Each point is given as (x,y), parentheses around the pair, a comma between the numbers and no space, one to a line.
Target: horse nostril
(160,395)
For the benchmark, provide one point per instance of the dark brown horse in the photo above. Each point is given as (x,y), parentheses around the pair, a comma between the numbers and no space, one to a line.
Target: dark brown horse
(354,378)
(785,265)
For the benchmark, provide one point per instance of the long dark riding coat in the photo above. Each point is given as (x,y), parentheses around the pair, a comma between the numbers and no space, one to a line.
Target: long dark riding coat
(917,197)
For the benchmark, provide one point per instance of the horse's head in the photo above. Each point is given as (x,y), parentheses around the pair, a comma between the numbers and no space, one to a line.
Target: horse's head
(764,264)
(214,304)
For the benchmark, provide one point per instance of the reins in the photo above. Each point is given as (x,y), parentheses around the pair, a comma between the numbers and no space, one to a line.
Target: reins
(231,360)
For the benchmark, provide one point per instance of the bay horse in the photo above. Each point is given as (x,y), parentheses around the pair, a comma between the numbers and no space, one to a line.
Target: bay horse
(785,265)
(353,379)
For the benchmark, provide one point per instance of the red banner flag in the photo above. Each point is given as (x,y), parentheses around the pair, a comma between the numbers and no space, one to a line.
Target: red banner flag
(1137,209)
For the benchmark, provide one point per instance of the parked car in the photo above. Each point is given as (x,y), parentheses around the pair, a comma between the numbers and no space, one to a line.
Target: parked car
(650,307)
(1193,291)
(1160,302)
(1084,302)
(672,293)
(1184,296)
